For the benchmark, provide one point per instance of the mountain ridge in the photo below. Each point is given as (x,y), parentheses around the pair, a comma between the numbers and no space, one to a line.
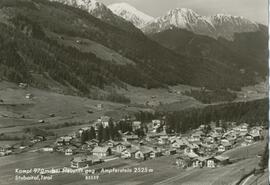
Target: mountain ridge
(129,13)
(28,50)
(102,12)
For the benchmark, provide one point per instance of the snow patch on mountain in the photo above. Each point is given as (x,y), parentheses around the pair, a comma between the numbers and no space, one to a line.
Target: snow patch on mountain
(129,13)
(216,26)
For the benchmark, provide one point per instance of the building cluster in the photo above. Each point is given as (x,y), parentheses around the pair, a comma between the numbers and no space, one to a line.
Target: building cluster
(202,147)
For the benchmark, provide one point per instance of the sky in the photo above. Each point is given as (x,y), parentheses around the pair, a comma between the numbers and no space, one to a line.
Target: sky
(255,10)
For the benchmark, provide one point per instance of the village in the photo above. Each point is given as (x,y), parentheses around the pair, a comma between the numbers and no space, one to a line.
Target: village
(108,140)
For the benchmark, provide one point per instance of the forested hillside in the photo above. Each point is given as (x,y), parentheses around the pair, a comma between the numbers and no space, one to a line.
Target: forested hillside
(27,48)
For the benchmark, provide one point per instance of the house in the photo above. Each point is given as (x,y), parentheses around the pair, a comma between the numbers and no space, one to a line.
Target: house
(218,130)
(243,129)
(23,85)
(104,120)
(102,151)
(191,155)
(29,96)
(250,138)
(256,130)
(120,147)
(210,163)
(169,151)
(99,106)
(6,150)
(179,144)
(92,143)
(126,154)
(64,140)
(70,151)
(221,148)
(163,140)
(84,161)
(110,143)
(153,135)
(37,139)
(47,149)
(195,137)
(156,124)
(143,153)
(217,161)
(209,140)
(199,162)
(136,125)
(128,136)
(155,153)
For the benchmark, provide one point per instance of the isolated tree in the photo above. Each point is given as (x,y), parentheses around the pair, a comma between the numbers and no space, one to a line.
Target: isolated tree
(84,137)
(106,134)
(100,133)
(92,133)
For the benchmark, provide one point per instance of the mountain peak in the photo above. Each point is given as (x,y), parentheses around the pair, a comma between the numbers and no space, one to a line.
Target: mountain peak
(131,14)
(183,18)
(220,25)
(88,5)
(102,12)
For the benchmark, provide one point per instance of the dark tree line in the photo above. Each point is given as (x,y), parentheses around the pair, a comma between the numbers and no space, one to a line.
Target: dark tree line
(208,97)
(253,113)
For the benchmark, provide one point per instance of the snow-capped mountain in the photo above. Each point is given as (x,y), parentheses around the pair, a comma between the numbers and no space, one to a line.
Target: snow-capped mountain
(129,13)
(181,18)
(93,7)
(214,26)
(100,11)
(227,25)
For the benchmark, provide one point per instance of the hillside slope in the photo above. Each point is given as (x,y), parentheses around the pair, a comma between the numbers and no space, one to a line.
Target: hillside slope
(247,53)
(54,40)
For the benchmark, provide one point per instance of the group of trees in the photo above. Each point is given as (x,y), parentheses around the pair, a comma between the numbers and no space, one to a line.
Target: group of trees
(102,134)
(253,113)
(208,97)
(112,132)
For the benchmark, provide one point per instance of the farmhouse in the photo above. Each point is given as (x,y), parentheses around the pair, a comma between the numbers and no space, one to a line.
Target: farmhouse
(143,153)
(221,148)
(163,140)
(120,147)
(92,143)
(250,138)
(65,140)
(129,137)
(196,137)
(6,150)
(23,85)
(29,96)
(179,144)
(155,153)
(127,154)
(169,151)
(70,150)
(84,161)
(47,149)
(217,161)
(102,151)
(136,125)
(199,162)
